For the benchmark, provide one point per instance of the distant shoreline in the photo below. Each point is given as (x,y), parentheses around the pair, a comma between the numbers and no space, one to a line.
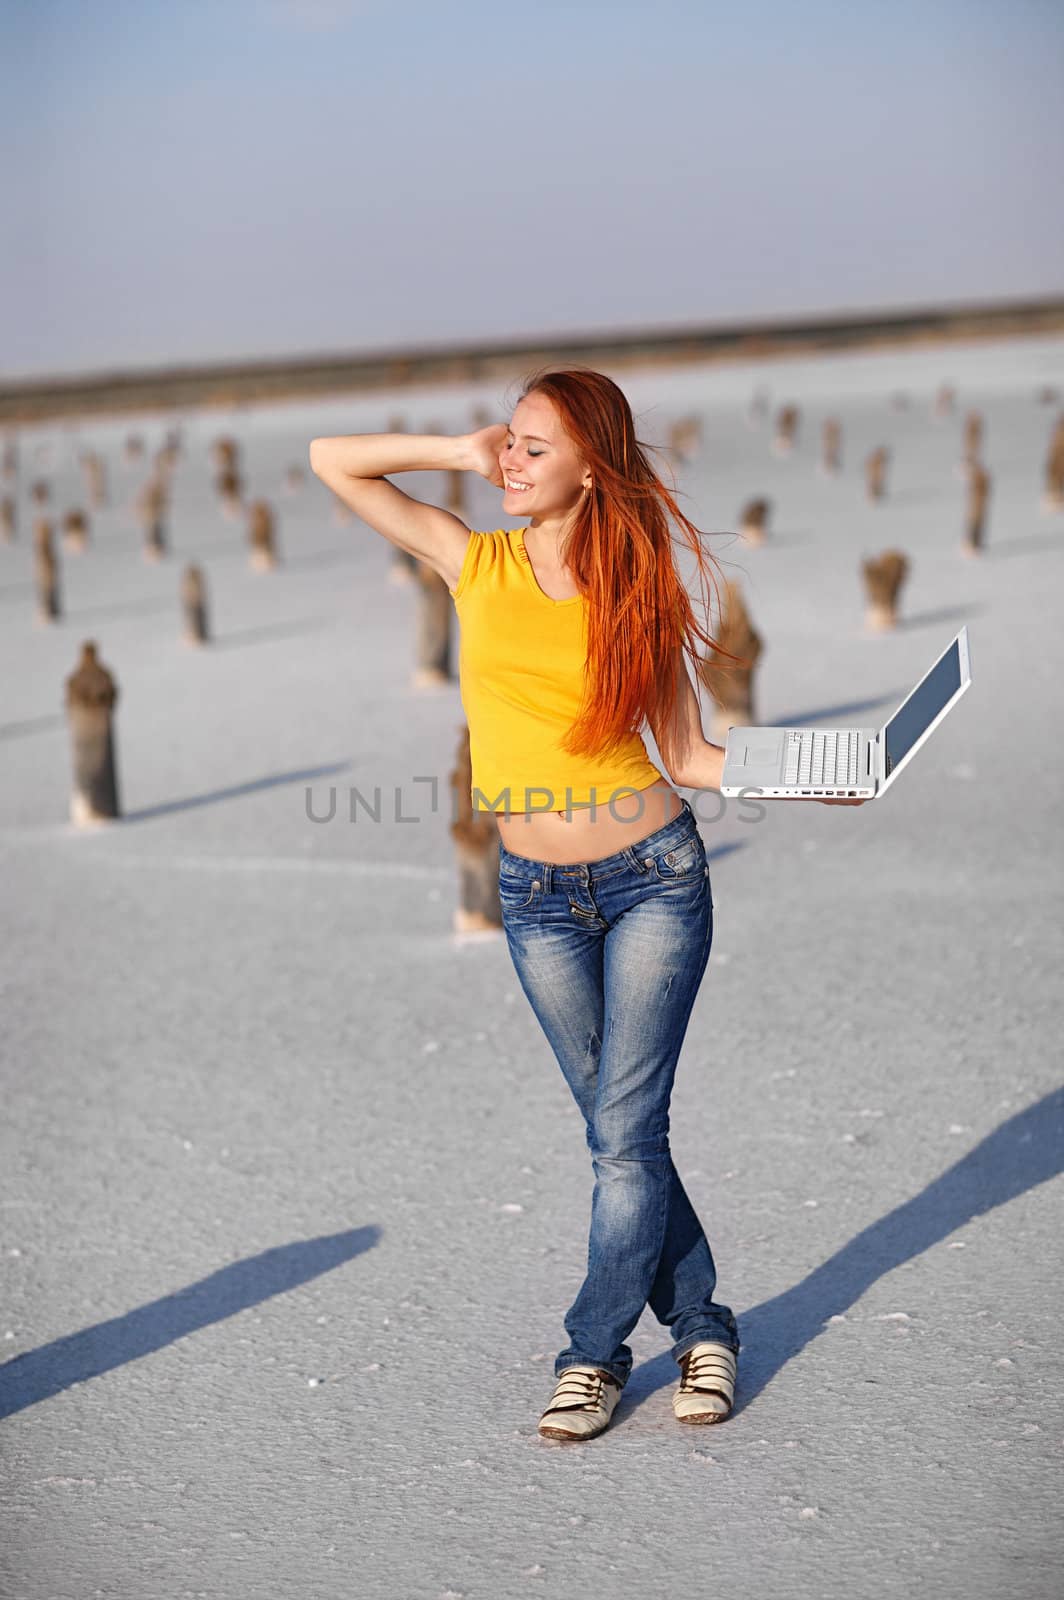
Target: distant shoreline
(225,384)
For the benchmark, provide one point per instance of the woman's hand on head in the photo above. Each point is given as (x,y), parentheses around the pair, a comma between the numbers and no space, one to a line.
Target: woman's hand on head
(483,448)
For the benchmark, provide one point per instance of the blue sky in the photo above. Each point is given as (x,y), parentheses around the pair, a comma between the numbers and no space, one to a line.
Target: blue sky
(216,178)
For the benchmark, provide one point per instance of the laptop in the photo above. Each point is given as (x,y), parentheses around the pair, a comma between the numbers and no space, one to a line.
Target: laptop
(806,763)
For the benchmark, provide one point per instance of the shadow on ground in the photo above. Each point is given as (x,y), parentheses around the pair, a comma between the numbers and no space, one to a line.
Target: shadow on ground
(1023,1152)
(299,775)
(40,1374)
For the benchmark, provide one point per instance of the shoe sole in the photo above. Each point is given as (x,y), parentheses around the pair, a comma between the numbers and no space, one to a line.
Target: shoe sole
(572,1438)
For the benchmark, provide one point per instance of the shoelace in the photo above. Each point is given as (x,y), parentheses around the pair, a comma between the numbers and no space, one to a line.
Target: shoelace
(584,1387)
(707,1370)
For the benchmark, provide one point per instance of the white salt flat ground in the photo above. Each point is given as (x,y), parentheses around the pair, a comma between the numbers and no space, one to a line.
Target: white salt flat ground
(266,1121)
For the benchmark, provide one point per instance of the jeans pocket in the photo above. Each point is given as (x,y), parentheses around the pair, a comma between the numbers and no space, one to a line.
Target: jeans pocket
(517,893)
(683,861)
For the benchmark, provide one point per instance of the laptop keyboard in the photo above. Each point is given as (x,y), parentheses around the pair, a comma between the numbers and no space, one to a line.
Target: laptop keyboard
(821,759)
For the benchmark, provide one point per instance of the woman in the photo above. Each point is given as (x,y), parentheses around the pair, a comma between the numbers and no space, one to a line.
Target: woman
(573,634)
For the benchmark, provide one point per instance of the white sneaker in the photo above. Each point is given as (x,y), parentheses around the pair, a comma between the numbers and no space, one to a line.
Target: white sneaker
(707,1387)
(581,1405)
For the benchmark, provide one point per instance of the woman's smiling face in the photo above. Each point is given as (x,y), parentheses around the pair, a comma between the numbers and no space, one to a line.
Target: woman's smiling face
(540,456)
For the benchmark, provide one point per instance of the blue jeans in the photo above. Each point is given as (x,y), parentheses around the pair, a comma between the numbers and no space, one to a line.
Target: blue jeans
(610,954)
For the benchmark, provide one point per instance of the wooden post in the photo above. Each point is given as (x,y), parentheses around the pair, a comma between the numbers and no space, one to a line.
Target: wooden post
(75,530)
(685,438)
(753,520)
(875,473)
(883,578)
(786,430)
(732,688)
(8,525)
(262,536)
(476,844)
(165,462)
(1053,497)
(224,452)
(945,400)
(434,613)
(230,489)
(831,446)
(456,493)
(975,512)
(45,571)
(973,436)
(194,606)
(757,409)
(91,694)
(94,470)
(151,513)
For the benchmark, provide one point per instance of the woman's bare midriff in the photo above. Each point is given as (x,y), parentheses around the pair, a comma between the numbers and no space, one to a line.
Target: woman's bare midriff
(580,834)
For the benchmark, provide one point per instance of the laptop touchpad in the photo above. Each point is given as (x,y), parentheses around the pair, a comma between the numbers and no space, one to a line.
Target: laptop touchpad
(761,755)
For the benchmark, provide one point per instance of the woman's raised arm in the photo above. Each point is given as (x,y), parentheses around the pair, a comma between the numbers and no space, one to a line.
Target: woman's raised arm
(354,467)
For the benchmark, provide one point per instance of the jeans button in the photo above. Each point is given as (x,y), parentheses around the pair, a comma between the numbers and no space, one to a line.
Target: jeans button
(535,883)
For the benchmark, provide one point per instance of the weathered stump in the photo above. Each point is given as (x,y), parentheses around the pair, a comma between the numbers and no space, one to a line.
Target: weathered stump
(876,473)
(94,473)
(975,510)
(831,446)
(757,409)
(945,401)
(476,843)
(434,615)
(753,520)
(194,606)
(91,694)
(224,453)
(973,436)
(1053,497)
(229,486)
(45,571)
(883,578)
(75,532)
(262,536)
(151,508)
(685,438)
(731,688)
(786,437)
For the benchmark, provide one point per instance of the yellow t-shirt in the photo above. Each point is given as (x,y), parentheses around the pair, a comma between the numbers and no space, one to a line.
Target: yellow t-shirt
(521,675)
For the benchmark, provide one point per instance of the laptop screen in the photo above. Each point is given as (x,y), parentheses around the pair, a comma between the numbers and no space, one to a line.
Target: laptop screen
(916,714)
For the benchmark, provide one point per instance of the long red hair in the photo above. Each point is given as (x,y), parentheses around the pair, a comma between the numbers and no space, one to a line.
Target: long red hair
(619,550)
